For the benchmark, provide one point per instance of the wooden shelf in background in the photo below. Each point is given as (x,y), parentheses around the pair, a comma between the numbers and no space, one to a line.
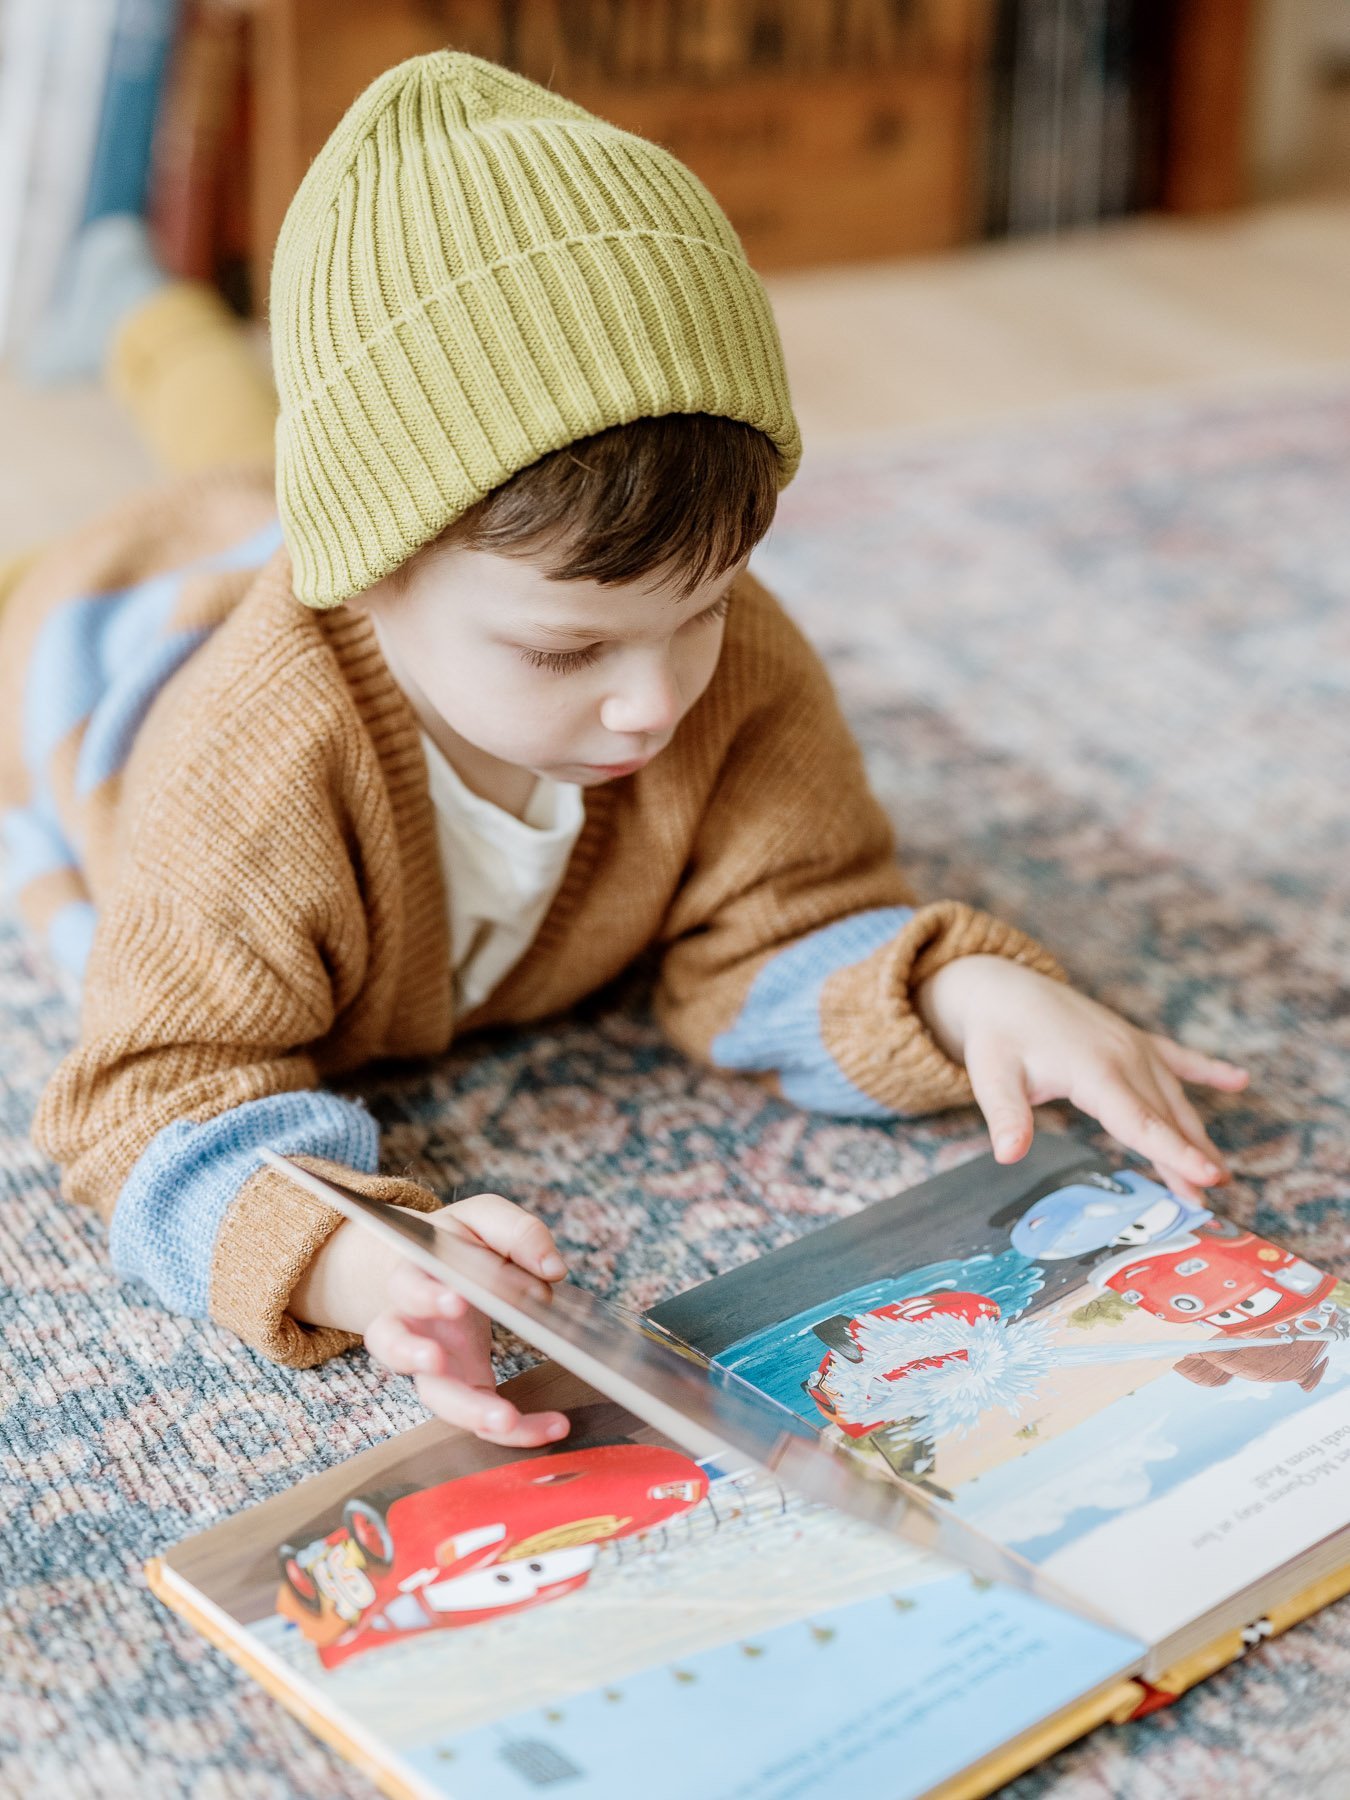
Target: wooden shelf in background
(823,145)
(831,130)
(1205,168)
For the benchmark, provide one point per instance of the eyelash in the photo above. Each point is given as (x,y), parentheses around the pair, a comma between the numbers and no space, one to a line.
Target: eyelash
(560,662)
(564,662)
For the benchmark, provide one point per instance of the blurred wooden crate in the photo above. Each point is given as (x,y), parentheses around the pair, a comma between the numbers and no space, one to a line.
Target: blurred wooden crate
(828,129)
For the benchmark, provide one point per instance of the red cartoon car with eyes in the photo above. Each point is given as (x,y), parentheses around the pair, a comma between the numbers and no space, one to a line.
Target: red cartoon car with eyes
(846,1340)
(1222,1276)
(478,1547)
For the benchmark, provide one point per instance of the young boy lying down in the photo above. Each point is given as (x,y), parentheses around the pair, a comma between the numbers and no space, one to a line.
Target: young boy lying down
(479,705)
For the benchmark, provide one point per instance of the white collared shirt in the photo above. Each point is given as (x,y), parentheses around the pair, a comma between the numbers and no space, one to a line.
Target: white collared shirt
(501,873)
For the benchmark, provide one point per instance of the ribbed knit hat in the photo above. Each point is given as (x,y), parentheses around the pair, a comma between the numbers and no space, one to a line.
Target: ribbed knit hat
(473,273)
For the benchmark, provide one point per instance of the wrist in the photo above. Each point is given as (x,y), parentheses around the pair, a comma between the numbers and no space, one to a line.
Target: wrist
(942,1001)
(346,1283)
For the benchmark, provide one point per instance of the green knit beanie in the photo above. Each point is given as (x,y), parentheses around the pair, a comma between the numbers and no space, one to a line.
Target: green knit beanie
(473,273)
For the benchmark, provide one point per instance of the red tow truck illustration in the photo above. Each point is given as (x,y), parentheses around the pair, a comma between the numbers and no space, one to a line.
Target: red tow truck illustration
(478,1547)
(1227,1278)
(844,1337)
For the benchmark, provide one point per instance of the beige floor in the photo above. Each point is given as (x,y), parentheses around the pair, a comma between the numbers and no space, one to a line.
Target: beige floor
(988,333)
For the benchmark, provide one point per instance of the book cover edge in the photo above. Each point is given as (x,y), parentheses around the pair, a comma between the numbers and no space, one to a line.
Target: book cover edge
(313,1718)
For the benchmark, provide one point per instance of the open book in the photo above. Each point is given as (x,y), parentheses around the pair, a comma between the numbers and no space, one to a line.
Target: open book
(900,1508)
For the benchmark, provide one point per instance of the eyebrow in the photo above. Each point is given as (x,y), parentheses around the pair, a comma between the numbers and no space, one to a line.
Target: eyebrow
(589,634)
(585,634)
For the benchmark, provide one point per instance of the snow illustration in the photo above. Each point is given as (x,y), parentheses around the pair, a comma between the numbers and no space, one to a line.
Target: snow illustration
(938,1363)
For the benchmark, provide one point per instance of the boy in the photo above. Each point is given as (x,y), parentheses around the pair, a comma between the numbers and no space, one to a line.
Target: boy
(494,709)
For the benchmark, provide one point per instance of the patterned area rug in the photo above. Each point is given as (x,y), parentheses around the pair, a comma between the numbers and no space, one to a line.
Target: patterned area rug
(1100,669)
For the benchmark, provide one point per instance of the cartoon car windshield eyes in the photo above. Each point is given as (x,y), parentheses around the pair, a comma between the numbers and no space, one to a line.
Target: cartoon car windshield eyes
(509,1584)
(477,1548)
(1255,1306)
(1154,1222)
(1096,1211)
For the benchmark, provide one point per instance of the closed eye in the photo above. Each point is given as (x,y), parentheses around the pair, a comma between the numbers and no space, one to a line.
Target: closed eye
(562,662)
(565,662)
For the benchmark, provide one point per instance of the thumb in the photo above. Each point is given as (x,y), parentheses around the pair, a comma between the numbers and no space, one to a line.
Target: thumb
(995,1073)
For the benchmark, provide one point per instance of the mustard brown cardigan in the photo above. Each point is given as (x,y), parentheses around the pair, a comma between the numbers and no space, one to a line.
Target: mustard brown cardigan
(215,808)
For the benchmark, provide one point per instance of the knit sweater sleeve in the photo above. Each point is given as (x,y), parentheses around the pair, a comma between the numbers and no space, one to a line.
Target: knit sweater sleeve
(233,941)
(794,947)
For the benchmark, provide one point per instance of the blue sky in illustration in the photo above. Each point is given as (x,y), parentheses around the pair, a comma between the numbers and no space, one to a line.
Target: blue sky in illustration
(1135,1450)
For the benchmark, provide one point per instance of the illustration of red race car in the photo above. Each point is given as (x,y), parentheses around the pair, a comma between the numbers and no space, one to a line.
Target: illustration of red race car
(844,1336)
(478,1547)
(1222,1276)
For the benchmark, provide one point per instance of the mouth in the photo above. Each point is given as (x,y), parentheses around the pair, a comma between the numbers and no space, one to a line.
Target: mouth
(612,771)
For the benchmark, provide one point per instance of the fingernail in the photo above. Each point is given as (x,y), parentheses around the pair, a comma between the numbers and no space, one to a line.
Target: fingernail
(428,1357)
(1006,1145)
(553,1266)
(449,1304)
(558,1430)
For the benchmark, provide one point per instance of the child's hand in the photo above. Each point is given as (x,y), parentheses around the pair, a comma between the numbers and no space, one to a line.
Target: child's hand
(1026,1039)
(428,1332)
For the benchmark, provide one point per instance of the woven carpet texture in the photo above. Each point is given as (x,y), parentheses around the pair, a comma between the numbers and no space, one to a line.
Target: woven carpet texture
(1100,668)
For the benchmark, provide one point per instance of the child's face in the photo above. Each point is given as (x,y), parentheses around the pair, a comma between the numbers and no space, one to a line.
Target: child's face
(567,679)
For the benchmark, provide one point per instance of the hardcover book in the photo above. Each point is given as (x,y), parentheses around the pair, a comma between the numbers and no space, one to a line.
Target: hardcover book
(900,1508)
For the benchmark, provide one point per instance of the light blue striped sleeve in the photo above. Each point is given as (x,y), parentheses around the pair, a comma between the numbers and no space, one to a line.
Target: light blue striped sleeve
(98,663)
(173,1203)
(778,1029)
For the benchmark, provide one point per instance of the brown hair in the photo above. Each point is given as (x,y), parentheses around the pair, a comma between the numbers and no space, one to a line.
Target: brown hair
(686,493)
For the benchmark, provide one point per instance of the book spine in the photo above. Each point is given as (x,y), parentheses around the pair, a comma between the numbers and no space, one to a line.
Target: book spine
(28,32)
(187,165)
(1117,130)
(998,128)
(1083,169)
(120,175)
(234,196)
(1150,49)
(76,71)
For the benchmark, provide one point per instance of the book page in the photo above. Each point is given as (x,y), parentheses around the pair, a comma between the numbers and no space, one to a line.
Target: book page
(495,1621)
(1147,1401)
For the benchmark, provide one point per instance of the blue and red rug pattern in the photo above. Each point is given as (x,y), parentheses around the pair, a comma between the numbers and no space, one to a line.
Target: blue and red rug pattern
(1101,671)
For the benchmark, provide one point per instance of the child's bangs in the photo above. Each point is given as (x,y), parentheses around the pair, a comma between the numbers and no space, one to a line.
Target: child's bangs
(687,494)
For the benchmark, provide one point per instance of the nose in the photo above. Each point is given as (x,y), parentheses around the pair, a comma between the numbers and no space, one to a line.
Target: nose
(646,703)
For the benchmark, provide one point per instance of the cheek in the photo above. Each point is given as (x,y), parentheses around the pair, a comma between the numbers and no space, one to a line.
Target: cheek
(698,659)
(497,701)
(463,684)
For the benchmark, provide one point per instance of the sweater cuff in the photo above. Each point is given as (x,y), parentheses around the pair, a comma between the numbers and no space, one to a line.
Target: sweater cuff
(267,1241)
(874,1031)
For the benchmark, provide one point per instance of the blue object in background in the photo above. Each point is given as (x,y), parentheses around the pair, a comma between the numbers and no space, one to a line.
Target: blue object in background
(120,173)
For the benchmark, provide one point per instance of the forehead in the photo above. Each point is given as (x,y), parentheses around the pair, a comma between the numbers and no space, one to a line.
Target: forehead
(517,587)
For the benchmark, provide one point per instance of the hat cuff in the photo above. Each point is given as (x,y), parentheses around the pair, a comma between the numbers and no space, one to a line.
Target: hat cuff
(567,339)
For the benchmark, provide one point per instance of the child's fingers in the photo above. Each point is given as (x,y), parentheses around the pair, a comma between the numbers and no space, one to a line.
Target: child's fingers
(1195,1066)
(485,1412)
(510,1231)
(420,1296)
(1188,1119)
(1000,1093)
(1141,1124)
(459,1387)
(1174,1180)
(407,1350)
